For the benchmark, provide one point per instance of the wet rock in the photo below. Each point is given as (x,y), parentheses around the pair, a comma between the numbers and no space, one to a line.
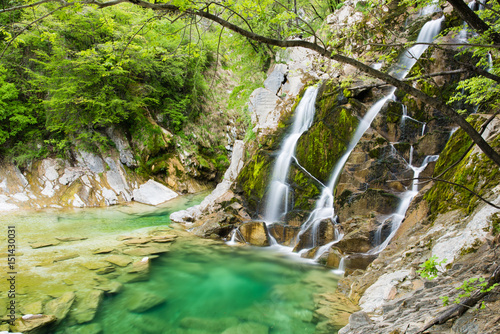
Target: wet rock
(111,287)
(139,271)
(34,324)
(163,238)
(284,234)
(105,271)
(65,257)
(142,301)
(32,308)
(248,328)
(60,307)
(358,261)
(86,308)
(153,193)
(255,233)
(93,328)
(144,251)
(119,260)
(215,223)
(367,203)
(67,239)
(334,257)
(137,241)
(325,233)
(94,265)
(36,245)
(104,250)
(358,235)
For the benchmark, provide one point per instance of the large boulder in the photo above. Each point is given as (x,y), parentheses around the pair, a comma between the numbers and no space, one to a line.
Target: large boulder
(60,307)
(153,193)
(255,233)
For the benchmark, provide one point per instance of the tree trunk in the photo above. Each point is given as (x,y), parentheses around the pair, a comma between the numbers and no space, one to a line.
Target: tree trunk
(472,19)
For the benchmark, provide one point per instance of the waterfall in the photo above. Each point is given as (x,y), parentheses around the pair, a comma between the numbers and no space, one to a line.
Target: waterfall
(341,269)
(278,195)
(406,198)
(409,58)
(324,206)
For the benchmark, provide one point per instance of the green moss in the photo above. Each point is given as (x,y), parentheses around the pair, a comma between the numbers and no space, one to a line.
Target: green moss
(253,179)
(304,192)
(326,141)
(475,172)
(495,223)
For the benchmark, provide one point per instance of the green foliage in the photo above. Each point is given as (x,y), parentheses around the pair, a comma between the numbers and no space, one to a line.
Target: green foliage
(430,268)
(468,287)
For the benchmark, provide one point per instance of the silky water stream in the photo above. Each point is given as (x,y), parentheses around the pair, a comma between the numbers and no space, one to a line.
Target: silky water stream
(205,286)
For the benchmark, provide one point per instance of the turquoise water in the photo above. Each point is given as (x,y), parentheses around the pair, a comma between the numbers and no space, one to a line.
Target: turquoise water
(207,287)
(214,288)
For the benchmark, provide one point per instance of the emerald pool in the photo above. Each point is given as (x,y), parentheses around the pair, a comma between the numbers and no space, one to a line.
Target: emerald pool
(198,286)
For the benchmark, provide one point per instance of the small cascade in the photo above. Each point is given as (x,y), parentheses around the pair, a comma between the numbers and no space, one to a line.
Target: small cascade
(233,241)
(404,109)
(430,9)
(341,269)
(278,196)
(490,62)
(410,161)
(429,31)
(397,218)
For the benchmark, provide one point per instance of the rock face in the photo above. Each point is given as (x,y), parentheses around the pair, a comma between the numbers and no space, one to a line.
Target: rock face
(255,233)
(220,194)
(153,193)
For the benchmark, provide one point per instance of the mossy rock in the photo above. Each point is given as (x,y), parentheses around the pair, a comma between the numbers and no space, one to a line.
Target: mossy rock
(324,143)
(475,171)
(254,178)
(305,192)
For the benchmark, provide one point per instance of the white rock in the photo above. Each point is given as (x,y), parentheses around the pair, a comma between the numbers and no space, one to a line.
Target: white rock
(6,206)
(153,193)
(91,161)
(49,169)
(276,78)
(450,245)
(377,293)
(263,109)
(21,197)
(3,185)
(109,197)
(48,190)
(77,202)
(117,180)
(123,146)
(71,174)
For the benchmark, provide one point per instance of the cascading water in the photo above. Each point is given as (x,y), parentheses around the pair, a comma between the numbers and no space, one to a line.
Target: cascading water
(277,197)
(406,198)
(324,206)
(427,34)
